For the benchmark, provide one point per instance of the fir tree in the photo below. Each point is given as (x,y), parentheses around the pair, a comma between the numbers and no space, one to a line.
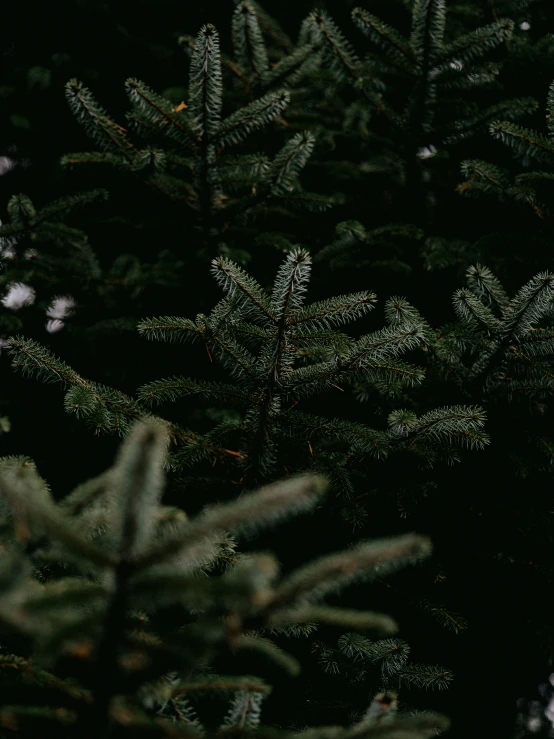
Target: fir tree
(499,351)
(84,580)
(387,156)
(531,188)
(185,157)
(414,84)
(264,55)
(279,351)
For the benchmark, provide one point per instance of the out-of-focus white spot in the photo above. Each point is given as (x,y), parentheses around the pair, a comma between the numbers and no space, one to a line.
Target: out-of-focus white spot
(17,296)
(525,26)
(61,306)
(6,164)
(54,325)
(426,151)
(456,64)
(534,724)
(30,254)
(7,252)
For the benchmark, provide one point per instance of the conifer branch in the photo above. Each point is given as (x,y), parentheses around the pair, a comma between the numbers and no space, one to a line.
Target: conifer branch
(360,620)
(92,157)
(172,388)
(533,301)
(293,68)
(205,103)
(22,480)
(138,477)
(250,513)
(428,27)
(426,676)
(473,45)
(361,438)
(244,121)
(330,313)
(290,285)
(248,42)
(341,55)
(489,178)
(97,123)
(383,35)
(467,127)
(205,84)
(456,424)
(470,309)
(485,285)
(157,110)
(104,409)
(236,282)
(169,328)
(524,141)
(289,162)
(364,561)
(69,203)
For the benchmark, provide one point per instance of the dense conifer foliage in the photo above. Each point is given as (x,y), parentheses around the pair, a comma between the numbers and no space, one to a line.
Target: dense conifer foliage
(84,582)
(285,249)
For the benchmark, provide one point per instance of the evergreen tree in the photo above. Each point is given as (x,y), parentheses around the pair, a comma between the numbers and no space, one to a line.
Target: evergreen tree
(280,351)
(531,188)
(186,158)
(266,396)
(84,582)
(420,86)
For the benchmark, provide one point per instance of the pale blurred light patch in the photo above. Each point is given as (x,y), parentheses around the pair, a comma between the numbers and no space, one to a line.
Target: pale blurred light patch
(7,252)
(54,325)
(534,724)
(6,165)
(18,295)
(525,26)
(426,152)
(61,306)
